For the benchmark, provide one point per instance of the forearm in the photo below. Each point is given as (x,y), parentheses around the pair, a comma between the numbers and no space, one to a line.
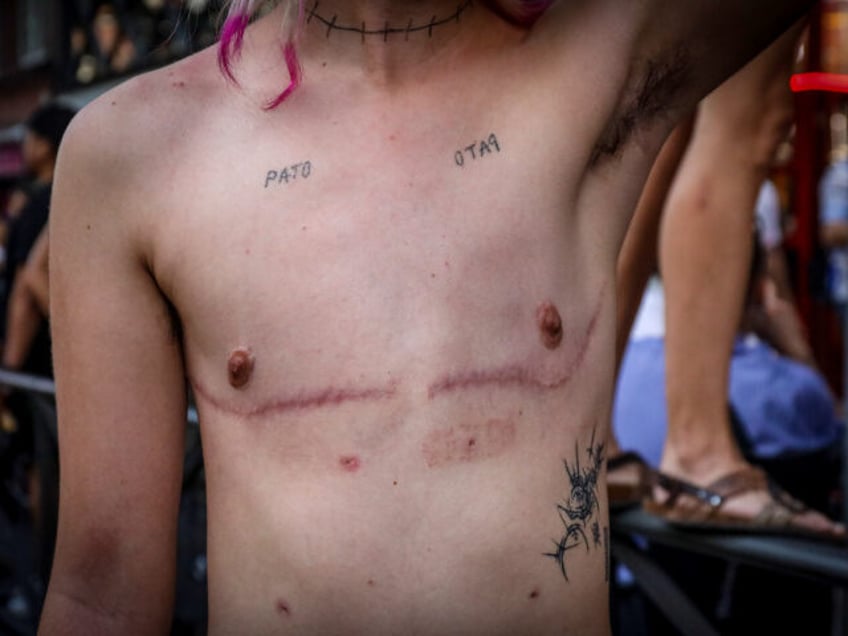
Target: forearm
(22,323)
(76,611)
(38,286)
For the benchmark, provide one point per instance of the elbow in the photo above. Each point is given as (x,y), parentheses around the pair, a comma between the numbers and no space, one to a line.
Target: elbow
(100,585)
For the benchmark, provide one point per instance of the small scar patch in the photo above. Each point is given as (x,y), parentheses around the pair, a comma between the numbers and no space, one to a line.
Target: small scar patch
(468,442)
(283,608)
(550,325)
(240,367)
(349,463)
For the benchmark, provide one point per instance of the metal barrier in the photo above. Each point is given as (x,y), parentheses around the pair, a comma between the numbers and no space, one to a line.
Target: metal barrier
(803,558)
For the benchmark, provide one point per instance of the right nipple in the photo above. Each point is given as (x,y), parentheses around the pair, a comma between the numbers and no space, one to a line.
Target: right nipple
(240,367)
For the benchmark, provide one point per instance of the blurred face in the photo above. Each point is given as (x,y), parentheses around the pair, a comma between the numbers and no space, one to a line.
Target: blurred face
(36,151)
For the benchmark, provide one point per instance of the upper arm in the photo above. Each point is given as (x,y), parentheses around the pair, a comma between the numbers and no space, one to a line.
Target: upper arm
(713,38)
(120,393)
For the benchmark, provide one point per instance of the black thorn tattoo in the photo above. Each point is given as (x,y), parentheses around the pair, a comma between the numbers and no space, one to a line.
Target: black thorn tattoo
(331,24)
(430,29)
(312,12)
(386,33)
(408,29)
(580,513)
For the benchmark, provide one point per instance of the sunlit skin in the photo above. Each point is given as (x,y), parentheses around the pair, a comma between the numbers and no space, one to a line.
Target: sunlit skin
(402,357)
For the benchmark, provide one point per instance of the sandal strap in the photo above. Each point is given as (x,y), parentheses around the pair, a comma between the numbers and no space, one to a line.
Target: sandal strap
(677,487)
(739,482)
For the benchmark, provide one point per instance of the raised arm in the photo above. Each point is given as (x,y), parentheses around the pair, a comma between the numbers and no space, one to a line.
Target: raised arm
(712,39)
(120,391)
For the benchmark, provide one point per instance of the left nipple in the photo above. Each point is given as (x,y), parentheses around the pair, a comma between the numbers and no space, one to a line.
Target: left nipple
(550,325)
(240,367)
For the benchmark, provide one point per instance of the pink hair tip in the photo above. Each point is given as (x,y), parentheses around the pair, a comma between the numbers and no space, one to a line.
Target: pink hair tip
(232,39)
(293,66)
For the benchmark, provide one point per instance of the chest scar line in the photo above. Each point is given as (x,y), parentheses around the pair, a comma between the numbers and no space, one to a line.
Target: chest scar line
(514,375)
(330,396)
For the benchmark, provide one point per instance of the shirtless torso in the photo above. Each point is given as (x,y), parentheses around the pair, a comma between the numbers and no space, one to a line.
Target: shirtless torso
(393,299)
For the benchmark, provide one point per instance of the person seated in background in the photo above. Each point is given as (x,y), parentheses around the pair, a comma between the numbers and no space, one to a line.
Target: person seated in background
(784,421)
(781,405)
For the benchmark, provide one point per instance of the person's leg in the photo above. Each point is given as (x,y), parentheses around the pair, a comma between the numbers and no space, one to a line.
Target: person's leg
(705,252)
(638,257)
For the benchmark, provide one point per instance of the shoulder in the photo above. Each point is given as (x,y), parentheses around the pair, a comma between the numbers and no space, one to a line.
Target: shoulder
(130,137)
(145,114)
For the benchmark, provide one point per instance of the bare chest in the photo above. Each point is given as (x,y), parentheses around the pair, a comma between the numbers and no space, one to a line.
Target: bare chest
(385,257)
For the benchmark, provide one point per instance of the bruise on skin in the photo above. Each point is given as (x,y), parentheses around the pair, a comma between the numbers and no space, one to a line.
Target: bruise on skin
(349,463)
(550,325)
(240,367)
(468,442)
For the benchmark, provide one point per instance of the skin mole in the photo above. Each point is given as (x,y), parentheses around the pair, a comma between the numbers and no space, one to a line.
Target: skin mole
(550,325)
(534,594)
(240,367)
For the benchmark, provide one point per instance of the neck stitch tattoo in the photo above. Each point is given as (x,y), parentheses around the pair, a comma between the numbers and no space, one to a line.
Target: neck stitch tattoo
(333,25)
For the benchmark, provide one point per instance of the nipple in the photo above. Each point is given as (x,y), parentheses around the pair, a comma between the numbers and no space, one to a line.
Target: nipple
(550,325)
(240,367)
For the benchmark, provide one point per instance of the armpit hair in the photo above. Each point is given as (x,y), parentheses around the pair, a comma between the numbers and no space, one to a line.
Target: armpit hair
(652,95)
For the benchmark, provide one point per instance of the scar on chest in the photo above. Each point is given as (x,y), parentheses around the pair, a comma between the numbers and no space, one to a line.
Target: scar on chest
(240,367)
(522,375)
(297,402)
(468,442)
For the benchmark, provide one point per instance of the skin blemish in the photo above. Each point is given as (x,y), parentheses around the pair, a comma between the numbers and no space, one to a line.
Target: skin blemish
(349,463)
(371,582)
(283,608)
(550,325)
(468,442)
(240,367)
(534,594)
(394,483)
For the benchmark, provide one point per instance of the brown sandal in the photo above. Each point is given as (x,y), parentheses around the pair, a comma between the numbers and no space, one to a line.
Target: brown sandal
(692,507)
